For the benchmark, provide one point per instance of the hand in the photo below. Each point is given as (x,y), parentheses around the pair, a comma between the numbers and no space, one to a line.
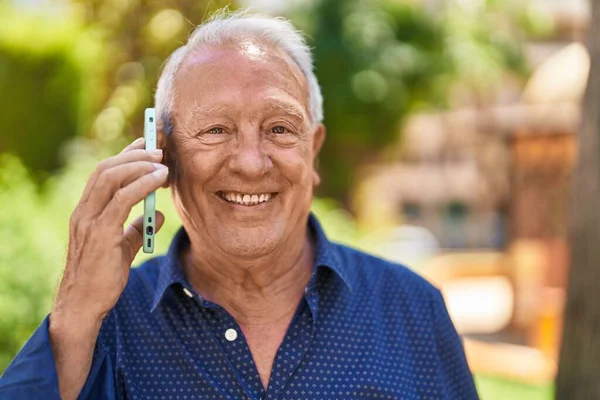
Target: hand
(100,251)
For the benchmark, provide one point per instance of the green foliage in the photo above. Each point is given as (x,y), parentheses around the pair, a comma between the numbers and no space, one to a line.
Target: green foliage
(138,36)
(44,78)
(493,388)
(33,239)
(30,257)
(378,61)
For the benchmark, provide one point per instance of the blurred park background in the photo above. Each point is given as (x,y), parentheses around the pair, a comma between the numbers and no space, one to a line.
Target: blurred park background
(451,145)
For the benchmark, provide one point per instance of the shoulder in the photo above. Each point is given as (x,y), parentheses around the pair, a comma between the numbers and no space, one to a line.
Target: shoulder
(372,274)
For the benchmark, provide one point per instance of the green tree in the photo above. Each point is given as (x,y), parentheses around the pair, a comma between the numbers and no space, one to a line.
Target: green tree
(45,69)
(88,71)
(138,36)
(378,61)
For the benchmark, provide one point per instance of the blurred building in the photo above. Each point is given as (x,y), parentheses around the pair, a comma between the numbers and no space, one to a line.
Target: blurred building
(491,183)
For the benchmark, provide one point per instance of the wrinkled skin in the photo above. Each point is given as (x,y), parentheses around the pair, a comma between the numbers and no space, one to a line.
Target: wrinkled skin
(241,125)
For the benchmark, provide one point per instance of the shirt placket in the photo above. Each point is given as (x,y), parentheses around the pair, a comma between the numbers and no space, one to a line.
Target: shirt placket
(232,340)
(239,361)
(295,345)
(209,352)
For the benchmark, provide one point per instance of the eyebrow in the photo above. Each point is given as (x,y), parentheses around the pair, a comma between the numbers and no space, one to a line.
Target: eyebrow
(271,104)
(198,111)
(286,107)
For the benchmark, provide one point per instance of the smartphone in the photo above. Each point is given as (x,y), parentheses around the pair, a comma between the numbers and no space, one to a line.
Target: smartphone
(150,200)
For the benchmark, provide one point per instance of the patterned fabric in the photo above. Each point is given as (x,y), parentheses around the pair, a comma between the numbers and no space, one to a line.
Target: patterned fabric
(365,329)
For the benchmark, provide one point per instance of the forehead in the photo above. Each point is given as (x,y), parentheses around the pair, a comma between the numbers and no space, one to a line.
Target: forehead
(237,72)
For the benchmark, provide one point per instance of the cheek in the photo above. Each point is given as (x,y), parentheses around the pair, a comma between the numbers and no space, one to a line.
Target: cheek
(195,158)
(294,164)
(196,165)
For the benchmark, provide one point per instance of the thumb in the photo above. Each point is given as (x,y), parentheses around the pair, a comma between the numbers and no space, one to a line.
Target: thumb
(133,237)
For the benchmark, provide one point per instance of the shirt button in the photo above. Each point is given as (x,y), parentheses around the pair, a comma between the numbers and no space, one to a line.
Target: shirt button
(187,292)
(231,334)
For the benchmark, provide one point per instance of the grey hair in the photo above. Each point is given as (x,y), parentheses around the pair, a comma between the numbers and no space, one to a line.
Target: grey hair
(226,26)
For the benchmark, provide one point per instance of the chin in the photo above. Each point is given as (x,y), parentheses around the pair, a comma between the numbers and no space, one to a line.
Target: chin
(249,243)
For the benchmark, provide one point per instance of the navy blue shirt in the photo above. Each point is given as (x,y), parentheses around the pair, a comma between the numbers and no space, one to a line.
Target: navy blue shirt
(365,329)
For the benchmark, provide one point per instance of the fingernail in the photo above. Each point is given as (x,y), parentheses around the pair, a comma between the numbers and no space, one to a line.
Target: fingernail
(161,172)
(157,152)
(159,165)
(138,140)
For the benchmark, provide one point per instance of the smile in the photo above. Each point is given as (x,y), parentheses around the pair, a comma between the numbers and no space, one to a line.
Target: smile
(246,199)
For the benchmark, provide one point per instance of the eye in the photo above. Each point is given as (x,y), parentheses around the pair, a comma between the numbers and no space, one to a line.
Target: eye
(215,131)
(278,129)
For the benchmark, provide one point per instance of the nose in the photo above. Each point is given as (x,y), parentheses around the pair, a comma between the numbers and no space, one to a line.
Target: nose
(249,158)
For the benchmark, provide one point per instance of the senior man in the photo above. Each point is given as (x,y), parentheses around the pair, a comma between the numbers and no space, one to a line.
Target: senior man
(251,301)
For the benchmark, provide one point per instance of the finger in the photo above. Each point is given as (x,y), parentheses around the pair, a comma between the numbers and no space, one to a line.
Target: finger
(138,143)
(114,179)
(121,158)
(134,237)
(125,198)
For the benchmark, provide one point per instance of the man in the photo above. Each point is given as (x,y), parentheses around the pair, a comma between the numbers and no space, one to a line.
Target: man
(251,301)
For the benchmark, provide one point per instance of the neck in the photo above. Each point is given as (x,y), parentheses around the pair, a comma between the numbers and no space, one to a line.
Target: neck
(255,292)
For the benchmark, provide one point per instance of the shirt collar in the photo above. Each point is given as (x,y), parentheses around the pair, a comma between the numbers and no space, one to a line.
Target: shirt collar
(327,254)
(171,271)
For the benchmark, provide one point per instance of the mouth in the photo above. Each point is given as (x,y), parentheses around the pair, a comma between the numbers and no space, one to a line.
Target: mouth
(247,199)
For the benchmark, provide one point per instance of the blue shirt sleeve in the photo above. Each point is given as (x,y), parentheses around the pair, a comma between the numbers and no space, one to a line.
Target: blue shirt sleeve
(456,378)
(32,373)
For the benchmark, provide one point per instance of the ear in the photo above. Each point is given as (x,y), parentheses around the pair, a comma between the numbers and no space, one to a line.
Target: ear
(317,142)
(161,143)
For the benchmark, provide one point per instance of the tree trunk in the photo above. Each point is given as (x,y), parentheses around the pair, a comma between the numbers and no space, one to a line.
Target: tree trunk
(579,368)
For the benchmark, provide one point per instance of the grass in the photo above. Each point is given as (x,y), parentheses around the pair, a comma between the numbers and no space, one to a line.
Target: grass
(492,388)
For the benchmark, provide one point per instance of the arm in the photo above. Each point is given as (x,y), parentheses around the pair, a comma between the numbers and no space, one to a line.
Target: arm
(33,373)
(455,377)
(99,256)
(72,341)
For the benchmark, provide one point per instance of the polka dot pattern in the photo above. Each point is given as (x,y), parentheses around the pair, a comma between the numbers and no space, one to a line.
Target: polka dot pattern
(366,329)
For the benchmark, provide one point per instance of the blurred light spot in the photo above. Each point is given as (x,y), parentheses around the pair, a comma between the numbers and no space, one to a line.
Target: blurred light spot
(369,86)
(561,78)
(130,71)
(121,5)
(109,15)
(166,24)
(471,6)
(125,98)
(109,124)
(369,29)
(479,304)
(401,58)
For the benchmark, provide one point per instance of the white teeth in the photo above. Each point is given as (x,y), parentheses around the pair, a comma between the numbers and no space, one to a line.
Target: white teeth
(246,199)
